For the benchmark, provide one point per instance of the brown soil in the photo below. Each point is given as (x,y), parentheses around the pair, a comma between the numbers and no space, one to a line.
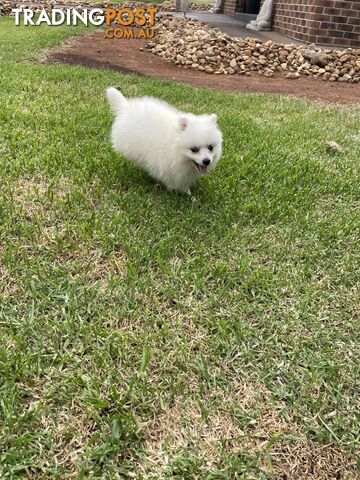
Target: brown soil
(94,50)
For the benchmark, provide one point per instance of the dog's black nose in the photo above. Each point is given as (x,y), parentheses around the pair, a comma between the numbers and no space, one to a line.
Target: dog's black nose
(206,161)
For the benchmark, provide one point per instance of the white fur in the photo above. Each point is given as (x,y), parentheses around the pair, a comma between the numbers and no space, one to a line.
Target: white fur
(158,138)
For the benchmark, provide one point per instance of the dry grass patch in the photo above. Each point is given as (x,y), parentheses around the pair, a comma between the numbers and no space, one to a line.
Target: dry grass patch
(68,426)
(92,265)
(281,446)
(304,460)
(181,427)
(72,432)
(9,286)
(34,196)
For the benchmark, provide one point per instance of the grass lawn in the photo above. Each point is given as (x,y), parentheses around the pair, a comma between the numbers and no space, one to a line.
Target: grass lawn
(149,335)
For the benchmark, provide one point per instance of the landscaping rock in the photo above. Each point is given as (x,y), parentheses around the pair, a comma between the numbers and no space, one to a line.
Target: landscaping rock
(333,146)
(293,75)
(186,40)
(193,44)
(320,59)
(168,6)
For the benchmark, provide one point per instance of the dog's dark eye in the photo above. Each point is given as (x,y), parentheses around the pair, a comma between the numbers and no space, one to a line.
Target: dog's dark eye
(195,149)
(211,148)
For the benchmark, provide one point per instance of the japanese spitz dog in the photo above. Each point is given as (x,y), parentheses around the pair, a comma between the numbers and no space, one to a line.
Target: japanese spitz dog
(174,147)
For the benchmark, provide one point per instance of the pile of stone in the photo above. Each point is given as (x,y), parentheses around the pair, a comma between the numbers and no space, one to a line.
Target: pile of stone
(168,6)
(196,46)
(6,7)
(37,5)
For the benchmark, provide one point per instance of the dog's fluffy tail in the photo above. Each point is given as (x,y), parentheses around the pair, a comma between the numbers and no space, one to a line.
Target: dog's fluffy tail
(116,100)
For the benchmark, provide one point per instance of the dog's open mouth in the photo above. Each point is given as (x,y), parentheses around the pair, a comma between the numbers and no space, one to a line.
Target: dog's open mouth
(202,169)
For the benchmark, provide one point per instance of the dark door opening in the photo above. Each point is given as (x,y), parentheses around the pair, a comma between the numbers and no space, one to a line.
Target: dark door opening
(252,6)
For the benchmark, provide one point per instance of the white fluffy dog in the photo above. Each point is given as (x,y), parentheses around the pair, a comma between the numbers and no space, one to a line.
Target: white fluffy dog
(175,148)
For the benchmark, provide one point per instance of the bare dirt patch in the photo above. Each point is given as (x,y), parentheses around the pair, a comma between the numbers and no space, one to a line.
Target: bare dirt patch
(130,56)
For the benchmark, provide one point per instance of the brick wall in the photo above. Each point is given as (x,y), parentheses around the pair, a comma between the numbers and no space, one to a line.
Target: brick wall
(331,22)
(233,6)
(294,18)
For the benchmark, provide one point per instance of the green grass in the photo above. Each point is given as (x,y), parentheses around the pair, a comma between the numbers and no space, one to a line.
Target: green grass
(145,334)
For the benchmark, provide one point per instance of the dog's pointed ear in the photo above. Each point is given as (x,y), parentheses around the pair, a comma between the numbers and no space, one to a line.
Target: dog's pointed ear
(183,123)
(213,117)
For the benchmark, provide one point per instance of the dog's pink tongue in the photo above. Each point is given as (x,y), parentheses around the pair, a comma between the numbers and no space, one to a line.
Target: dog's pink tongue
(202,169)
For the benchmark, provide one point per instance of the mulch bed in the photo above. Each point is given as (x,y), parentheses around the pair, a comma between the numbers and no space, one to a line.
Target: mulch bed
(130,56)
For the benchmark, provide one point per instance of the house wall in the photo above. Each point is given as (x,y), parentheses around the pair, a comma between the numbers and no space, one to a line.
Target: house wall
(329,22)
(233,6)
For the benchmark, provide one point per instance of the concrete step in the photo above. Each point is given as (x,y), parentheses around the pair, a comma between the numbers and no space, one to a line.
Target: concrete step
(244,18)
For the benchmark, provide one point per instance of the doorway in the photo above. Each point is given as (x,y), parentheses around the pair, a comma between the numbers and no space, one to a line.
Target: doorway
(252,6)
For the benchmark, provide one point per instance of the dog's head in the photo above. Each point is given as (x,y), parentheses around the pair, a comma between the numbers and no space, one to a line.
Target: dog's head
(199,141)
